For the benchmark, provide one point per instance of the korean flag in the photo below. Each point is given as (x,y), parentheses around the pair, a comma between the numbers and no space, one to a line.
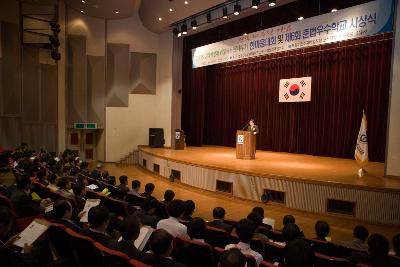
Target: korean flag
(295,90)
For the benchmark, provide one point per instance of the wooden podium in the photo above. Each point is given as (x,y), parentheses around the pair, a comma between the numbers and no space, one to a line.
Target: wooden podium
(245,145)
(179,139)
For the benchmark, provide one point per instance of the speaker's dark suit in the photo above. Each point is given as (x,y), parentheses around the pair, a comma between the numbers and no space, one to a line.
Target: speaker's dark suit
(253,129)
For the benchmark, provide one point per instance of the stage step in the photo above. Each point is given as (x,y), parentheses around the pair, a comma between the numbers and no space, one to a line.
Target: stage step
(132,158)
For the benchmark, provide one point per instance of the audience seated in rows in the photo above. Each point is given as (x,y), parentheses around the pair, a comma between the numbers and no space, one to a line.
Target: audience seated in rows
(190,206)
(62,212)
(298,253)
(360,235)
(260,232)
(168,196)
(196,229)
(291,232)
(98,218)
(123,184)
(64,186)
(135,188)
(232,258)
(245,230)
(148,190)
(148,212)
(218,222)
(172,225)
(79,190)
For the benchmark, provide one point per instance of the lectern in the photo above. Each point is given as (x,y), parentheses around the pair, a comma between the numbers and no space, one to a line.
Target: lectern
(245,145)
(179,139)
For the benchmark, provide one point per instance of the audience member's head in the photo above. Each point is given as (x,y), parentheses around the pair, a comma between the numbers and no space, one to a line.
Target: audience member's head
(255,218)
(189,208)
(259,210)
(232,258)
(298,253)
(82,179)
(169,195)
(245,230)
(161,243)
(62,209)
(322,229)
(123,179)
(79,189)
(176,208)
(52,178)
(136,185)
(98,218)
(64,183)
(288,219)
(23,182)
(396,244)
(290,232)
(378,245)
(130,228)
(196,228)
(149,188)
(219,213)
(360,232)
(111,180)
(149,205)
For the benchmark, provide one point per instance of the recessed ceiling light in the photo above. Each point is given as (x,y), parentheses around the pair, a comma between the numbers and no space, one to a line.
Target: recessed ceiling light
(116,12)
(186,2)
(160,18)
(334,10)
(170,10)
(82,11)
(83,1)
(300,18)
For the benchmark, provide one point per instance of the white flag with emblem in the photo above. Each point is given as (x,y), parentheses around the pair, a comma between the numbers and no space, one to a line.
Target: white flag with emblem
(295,90)
(361,152)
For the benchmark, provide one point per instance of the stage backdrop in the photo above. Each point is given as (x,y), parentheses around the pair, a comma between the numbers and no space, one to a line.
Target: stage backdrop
(346,76)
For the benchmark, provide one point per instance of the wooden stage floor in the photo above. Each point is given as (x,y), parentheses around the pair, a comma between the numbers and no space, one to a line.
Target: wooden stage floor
(312,169)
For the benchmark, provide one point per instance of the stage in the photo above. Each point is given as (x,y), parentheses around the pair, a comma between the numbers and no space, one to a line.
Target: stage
(306,182)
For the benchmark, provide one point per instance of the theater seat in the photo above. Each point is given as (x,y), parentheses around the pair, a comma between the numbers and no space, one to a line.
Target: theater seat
(258,245)
(110,257)
(275,235)
(85,254)
(344,252)
(134,200)
(193,253)
(329,261)
(323,247)
(60,241)
(216,237)
(273,252)
(118,207)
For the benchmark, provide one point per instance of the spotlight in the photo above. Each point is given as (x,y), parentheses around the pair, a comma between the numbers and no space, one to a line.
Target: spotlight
(272,3)
(208,17)
(300,18)
(170,10)
(179,34)
(334,10)
(193,23)
(160,19)
(236,9)
(186,2)
(184,29)
(255,3)
(225,13)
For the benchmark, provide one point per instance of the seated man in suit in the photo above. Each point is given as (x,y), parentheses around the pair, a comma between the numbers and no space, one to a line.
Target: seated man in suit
(252,127)
(22,199)
(135,188)
(148,212)
(98,218)
(79,195)
(218,222)
(360,235)
(62,212)
(123,184)
(161,244)
(172,225)
(129,230)
(148,190)
(298,253)
(196,229)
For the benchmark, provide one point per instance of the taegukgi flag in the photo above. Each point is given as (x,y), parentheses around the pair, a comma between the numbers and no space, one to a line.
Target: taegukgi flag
(295,90)
(361,152)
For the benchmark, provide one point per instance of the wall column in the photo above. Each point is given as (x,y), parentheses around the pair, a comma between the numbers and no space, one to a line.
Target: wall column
(61,110)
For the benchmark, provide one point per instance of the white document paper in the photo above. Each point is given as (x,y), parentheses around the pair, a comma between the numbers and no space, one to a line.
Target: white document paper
(90,203)
(31,233)
(92,187)
(269,221)
(144,235)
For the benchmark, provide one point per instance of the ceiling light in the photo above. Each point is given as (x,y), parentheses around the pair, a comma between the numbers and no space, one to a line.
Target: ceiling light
(334,10)
(83,1)
(186,2)
(193,23)
(170,10)
(225,13)
(160,18)
(301,18)
(236,9)
(208,17)
(272,3)
(82,11)
(116,12)
(255,3)
(184,29)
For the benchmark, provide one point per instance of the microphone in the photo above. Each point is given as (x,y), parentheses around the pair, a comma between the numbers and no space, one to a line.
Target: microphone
(247,125)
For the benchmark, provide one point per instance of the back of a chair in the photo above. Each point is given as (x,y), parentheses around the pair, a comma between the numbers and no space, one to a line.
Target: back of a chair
(329,261)
(194,253)
(85,254)
(134,200)
(344,252)
(216,237)
(275,235)
(323,247)
(60,241)
(115,206)
(258,245)
(111,258)
(273,252)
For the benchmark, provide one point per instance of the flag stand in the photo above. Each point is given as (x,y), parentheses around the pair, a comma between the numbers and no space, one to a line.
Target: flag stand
(361,172)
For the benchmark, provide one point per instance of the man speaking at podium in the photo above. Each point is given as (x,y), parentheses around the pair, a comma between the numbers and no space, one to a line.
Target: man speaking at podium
(252,127)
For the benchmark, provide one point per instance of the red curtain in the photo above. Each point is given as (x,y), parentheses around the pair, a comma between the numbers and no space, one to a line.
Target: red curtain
(347,77)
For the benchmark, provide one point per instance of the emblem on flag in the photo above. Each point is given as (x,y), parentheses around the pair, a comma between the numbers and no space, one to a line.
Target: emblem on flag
(361,151)
(295,89)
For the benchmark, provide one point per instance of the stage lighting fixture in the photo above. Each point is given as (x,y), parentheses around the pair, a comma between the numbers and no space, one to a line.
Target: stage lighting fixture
(184,28)
(255,3)
(301,18)
(208,17)
(193,23)
(236,9)
(272,3)
(225,13)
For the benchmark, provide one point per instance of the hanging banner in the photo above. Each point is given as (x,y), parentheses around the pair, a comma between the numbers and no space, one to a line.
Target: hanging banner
(359,21)
(295,90)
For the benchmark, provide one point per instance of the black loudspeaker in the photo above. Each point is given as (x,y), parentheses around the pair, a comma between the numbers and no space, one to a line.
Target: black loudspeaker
(156,137)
